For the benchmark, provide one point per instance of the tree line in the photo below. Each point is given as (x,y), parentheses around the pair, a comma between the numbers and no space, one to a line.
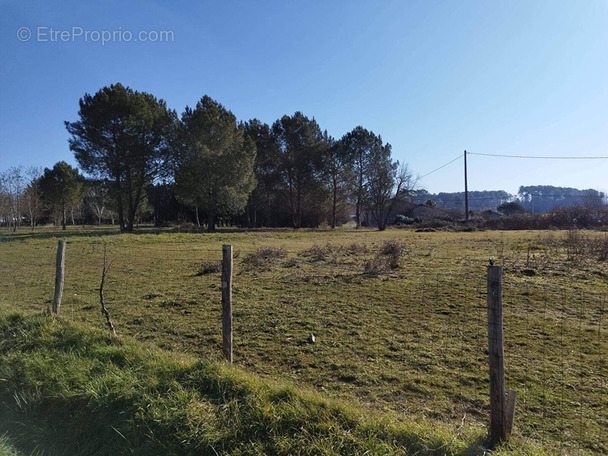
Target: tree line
(531,198)
(141,161)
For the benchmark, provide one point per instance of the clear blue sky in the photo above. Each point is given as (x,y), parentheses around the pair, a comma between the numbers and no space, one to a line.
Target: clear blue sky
(432,77)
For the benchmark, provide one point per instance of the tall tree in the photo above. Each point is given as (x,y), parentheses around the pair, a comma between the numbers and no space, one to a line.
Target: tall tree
(215,170)
(33,195)
(301,141)
(163,202)
(62,187)
(387,183)
(359,145)
(338,171)
(267,171)
(123,136)
(13,185)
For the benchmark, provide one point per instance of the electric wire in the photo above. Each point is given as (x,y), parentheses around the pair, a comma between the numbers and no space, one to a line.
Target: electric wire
(442,166)
(539,157)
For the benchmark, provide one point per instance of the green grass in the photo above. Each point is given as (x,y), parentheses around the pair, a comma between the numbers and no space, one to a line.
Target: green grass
(6,449)
(71,390)
(409,342)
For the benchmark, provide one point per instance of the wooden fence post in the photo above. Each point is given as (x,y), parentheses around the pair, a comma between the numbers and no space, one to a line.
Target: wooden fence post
(510,413)
(498,421)
(59,273)
(227,301)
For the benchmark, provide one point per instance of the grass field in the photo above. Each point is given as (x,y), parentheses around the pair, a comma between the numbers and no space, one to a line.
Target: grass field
(409,340)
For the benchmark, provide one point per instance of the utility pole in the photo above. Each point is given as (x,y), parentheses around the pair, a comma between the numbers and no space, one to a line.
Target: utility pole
(466,189)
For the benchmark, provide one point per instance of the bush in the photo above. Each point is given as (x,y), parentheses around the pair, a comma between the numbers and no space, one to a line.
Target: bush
(263,258)
(580,247)
(401,220)
(210,267)
(393,251)
(511,208)
(317,252)
(357,249)
(387,258)
(376,266)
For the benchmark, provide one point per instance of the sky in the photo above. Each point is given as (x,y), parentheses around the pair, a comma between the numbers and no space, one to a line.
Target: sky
(433,78)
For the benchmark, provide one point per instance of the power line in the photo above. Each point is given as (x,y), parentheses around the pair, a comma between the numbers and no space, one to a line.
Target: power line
(539,157)
(442,166)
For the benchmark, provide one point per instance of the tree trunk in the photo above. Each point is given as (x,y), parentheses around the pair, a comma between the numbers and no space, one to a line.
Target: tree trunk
(292,205)
(359,193)
(130,217)
(63,217)
(335,203)
(299,207)
(255,209)
(121,211)
(132,201)
(198,220)
(129,224)
(210,221)
(267,208)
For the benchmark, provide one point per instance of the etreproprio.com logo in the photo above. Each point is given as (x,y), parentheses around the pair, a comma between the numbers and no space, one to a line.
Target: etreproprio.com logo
(73,34)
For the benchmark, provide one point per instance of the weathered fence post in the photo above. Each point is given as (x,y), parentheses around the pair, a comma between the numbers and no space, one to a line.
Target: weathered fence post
(59,273)
(227,301)
(510,413)
(498,427)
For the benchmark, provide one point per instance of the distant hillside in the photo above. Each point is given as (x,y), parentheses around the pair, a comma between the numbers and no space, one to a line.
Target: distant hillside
(542,198)
(478,200)
(534,198)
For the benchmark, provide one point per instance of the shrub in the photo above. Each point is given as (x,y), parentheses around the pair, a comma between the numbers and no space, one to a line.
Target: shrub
(320,253)
(376,266)
(292,262)
(263,258)
(316,252)
(401,220)
(580,246)
(355,249)
(511,208)
(210,267)
(393,251)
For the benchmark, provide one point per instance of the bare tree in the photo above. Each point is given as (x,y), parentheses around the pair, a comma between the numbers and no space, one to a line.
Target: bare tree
(387,183)
(33,195)
(13,189)
(3,202)
(98,199)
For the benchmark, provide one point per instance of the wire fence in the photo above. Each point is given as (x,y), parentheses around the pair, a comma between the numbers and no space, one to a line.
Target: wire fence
(411,339)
